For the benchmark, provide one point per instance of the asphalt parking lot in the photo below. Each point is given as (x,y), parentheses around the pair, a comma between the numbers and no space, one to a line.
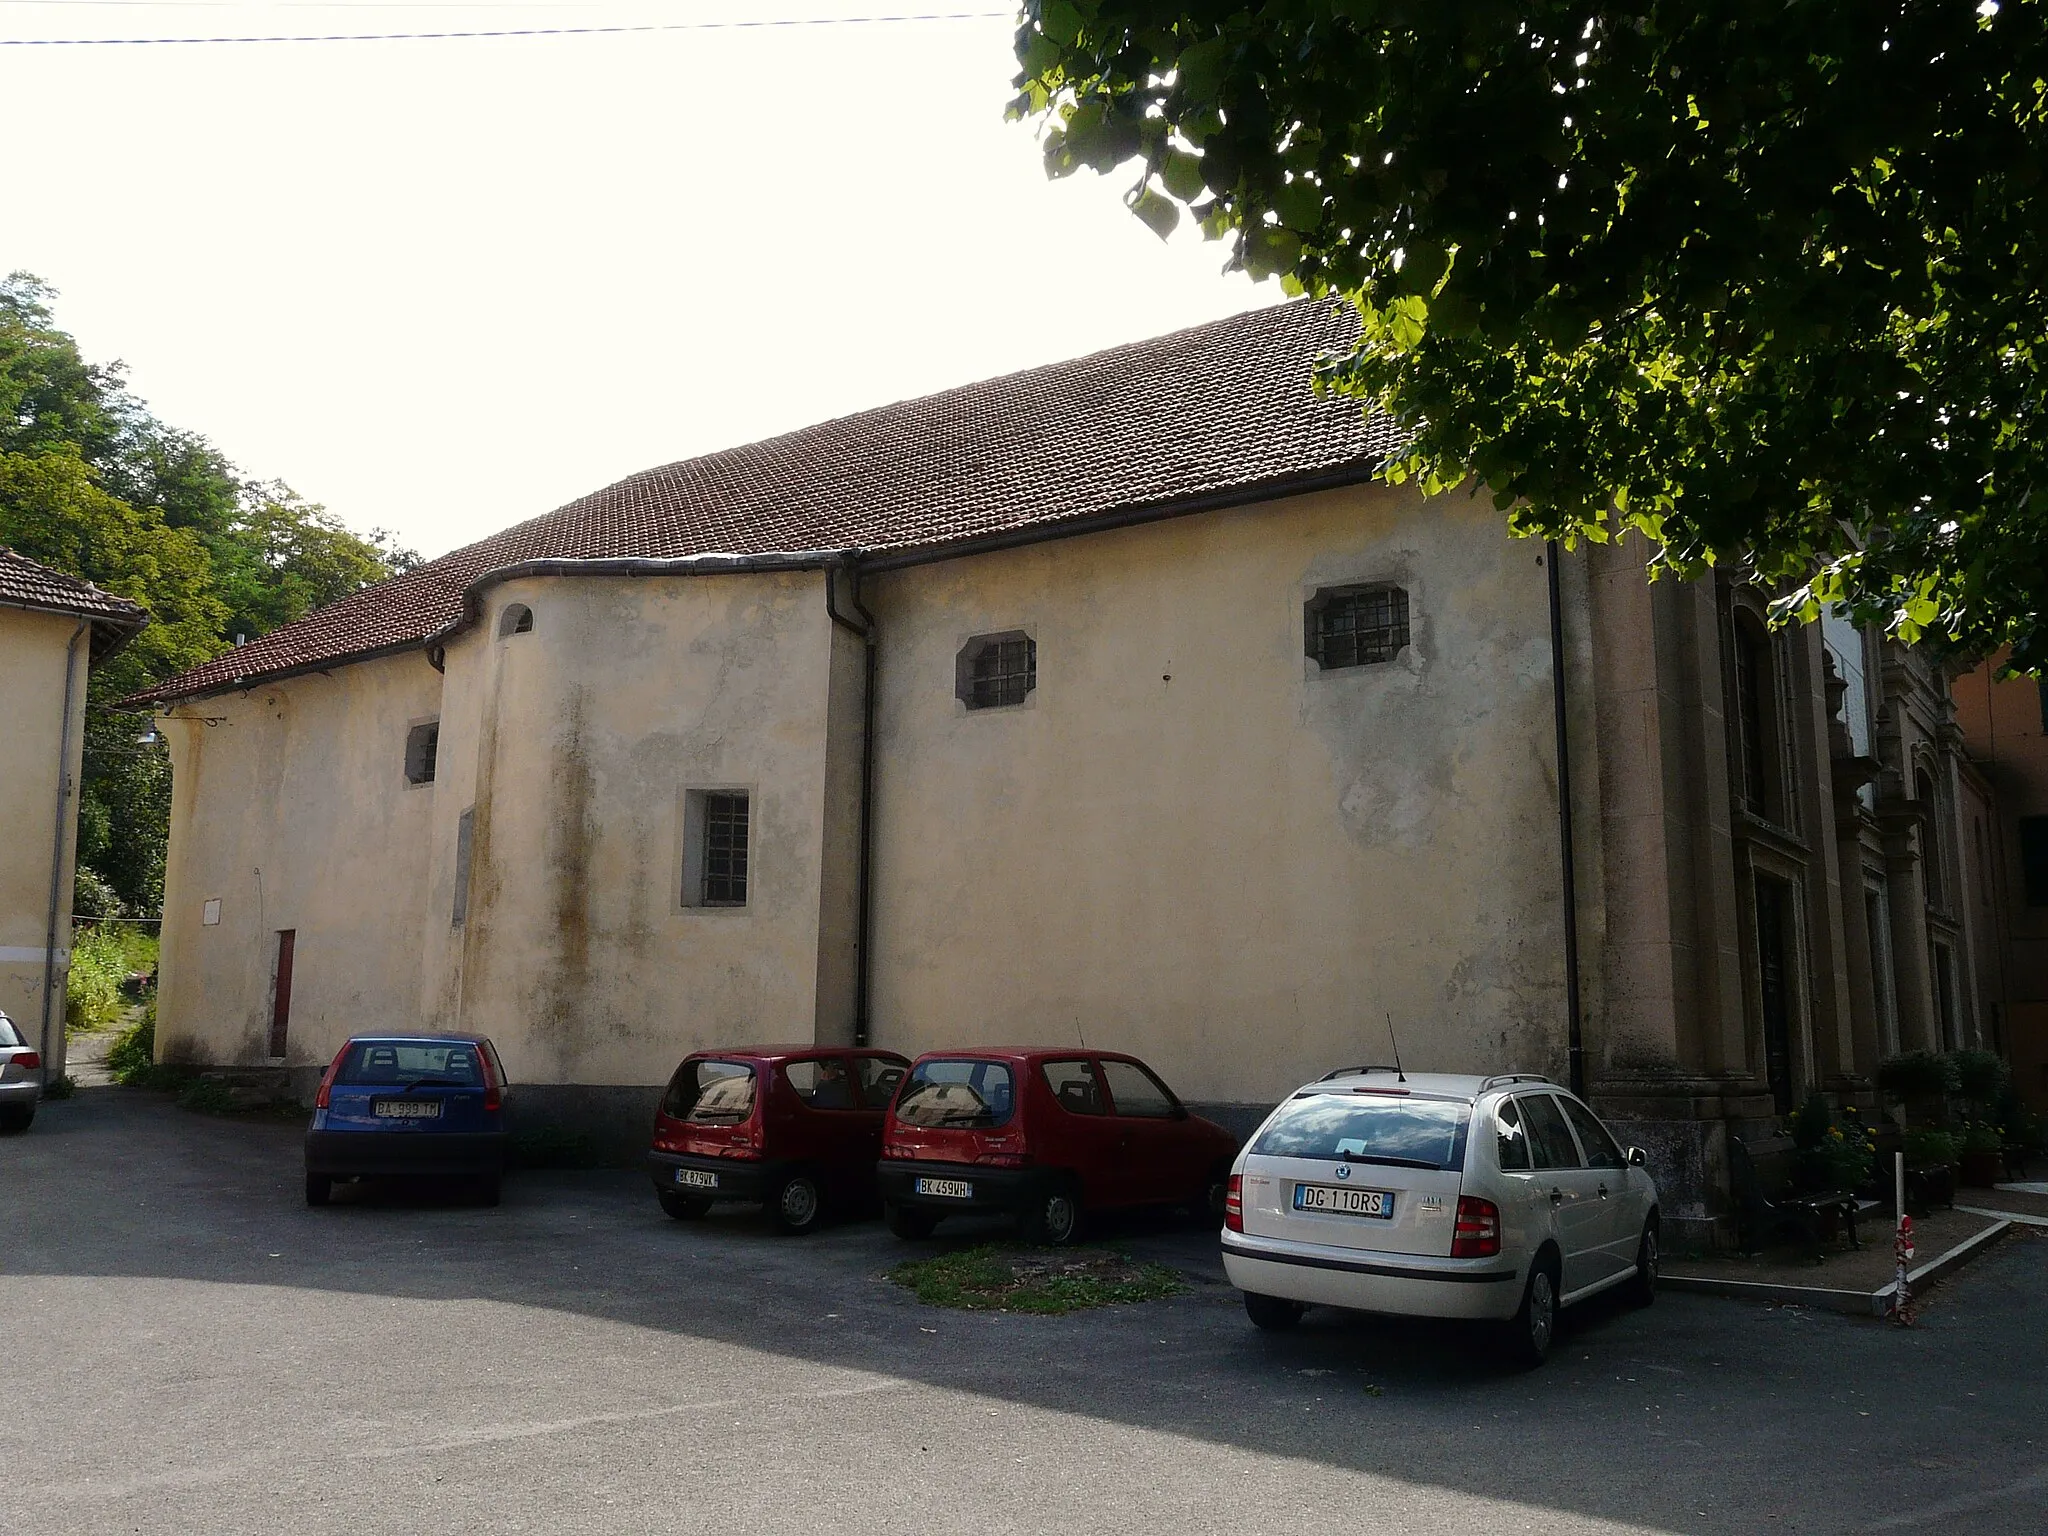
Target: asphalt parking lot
(188,1348)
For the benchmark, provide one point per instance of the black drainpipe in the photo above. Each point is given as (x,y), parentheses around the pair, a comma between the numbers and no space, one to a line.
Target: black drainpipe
(1574,1040)
(864,882)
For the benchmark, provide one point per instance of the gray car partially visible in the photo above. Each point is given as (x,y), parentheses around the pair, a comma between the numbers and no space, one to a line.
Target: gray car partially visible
(21,1078)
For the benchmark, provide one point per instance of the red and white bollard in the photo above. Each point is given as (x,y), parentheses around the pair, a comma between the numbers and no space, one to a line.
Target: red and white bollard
(1901,1311)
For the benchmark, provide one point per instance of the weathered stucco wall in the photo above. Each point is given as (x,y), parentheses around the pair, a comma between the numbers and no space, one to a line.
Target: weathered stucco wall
(575,746)
(34,650)
(1191,843)
(292,811)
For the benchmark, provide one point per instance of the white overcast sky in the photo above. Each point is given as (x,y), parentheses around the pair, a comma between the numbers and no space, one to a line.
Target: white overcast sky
(444,286)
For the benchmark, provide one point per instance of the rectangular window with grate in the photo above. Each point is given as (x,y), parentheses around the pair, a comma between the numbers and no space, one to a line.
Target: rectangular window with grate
(716,847)
(725,850)
(1356,626)
(422,748)
(996,671)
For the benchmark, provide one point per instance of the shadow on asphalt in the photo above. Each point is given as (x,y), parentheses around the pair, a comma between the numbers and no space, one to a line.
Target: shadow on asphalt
(1642,1416)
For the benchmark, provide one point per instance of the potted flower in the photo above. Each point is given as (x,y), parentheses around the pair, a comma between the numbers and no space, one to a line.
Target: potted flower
(1833,1155)
(1983,1154)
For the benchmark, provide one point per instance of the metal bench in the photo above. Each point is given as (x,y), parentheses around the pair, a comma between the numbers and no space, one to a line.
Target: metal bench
(1767,1208)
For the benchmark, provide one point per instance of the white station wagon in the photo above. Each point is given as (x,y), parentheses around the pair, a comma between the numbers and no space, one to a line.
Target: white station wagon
(1497,1199)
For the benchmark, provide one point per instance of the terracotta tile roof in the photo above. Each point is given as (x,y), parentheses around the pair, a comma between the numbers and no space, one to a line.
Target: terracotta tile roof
(1224,408)
(25,584)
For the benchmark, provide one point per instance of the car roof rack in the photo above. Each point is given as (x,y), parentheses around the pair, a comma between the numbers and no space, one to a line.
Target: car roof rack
(1357,1072)
(1506,1079)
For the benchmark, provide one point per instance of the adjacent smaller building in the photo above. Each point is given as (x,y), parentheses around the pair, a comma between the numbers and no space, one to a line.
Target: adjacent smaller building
(53,628)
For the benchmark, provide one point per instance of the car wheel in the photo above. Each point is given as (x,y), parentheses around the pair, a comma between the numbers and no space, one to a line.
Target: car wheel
(489,1189)
(796,1205)
(1643,1289)
(319,1188)
(1053,1220)
(1534,1325)
(908,1222)
(1275,1314)
(684,1207)
(15,1121)
(1206,1209)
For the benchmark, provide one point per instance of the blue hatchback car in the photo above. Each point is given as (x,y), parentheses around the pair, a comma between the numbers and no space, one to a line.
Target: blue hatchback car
(409,1106)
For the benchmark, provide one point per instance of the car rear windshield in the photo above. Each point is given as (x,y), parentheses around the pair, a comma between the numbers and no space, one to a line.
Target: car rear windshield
(386,1063)
(9,1035)
(1406,1133)
(711,1093)
(957,1095)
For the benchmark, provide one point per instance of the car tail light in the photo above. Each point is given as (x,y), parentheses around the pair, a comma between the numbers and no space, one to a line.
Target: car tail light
(28,1061)
(494,1097)
(1233,1204)
(327,1079)
(1477,1233)
(897,1149)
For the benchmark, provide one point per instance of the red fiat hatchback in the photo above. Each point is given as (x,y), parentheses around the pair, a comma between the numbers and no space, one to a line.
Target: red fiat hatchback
(1045,1135)
(794,1127)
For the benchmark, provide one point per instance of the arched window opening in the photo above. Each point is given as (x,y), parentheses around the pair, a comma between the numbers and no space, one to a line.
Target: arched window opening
(517,619)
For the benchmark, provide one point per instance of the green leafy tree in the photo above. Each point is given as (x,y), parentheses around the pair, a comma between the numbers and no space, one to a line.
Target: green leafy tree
(1764,282)
(93,484)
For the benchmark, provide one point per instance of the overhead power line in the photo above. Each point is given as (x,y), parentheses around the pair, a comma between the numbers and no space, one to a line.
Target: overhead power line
(749,24)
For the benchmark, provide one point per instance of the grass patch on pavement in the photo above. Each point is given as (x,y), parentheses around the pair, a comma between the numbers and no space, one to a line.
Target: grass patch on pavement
(1008,1277)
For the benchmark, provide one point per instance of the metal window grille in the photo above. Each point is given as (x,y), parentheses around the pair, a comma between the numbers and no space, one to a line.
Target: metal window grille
(422,748)
(1354,629)
(725,851)
(1004,672)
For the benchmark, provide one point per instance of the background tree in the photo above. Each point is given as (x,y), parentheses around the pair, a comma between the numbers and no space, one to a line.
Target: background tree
(92,484)
(1766,282)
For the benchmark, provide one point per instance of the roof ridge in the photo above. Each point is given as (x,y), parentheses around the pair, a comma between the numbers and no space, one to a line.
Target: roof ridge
(1194,417)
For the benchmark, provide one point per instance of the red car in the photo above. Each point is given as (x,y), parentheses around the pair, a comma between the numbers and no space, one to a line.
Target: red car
(795,1127)
(1046,1135)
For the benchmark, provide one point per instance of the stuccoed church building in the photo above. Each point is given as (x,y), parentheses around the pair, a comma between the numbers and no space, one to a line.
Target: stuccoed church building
(1112,700)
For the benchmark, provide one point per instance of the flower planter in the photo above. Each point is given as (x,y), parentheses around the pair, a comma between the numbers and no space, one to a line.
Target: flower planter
(1981,1170)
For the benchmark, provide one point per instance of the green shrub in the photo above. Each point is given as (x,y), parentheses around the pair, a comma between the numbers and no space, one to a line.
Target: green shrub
(1918,1075)
(92,991)
(132,1057)
(208,1097)
(1980,1137)
(93,897)
(1932,1149)
(60,1087)
(1835,1152)
(1980,1075)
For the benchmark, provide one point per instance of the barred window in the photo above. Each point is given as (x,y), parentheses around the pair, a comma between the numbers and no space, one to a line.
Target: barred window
(422,749)
(996,671)
(1356,626)
(725,850)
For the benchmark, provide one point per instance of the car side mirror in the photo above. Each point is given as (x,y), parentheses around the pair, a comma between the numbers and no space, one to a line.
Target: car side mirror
(1179,1112)
(1638,1158)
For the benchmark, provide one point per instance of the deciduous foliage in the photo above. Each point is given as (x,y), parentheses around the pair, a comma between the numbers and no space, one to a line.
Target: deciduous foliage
(1764,281)
(92,484)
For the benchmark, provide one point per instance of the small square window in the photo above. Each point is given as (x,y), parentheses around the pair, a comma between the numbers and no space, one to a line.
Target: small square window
(1355,626)
(715,848)
(422,748)
(996,671)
